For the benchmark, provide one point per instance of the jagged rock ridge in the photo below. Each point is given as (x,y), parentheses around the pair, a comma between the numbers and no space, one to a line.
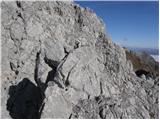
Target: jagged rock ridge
(59,51)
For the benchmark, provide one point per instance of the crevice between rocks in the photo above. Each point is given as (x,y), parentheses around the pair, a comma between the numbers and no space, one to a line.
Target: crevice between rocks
(26,100)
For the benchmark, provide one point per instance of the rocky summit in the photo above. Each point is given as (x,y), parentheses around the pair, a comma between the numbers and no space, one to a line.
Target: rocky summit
(58,62)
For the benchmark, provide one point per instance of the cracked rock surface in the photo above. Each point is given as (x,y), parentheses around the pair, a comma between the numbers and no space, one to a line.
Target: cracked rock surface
(61,64)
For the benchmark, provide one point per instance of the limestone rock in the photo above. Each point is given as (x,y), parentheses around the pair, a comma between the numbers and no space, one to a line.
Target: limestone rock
(70,63)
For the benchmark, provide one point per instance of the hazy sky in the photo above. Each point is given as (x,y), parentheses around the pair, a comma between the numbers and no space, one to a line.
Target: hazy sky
(132,24)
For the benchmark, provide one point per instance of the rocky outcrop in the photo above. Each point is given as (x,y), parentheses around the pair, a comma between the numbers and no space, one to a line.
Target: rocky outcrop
(61,64)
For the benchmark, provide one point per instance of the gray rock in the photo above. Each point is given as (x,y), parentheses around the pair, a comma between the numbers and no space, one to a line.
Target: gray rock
(78,72)
(143,76)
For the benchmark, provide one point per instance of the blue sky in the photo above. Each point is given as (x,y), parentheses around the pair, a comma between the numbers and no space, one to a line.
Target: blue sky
(133,24)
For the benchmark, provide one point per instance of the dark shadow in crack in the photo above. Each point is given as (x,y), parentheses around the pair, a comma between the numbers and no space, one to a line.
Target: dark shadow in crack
(50,77)
(25,100)
(51,74)
(141,72)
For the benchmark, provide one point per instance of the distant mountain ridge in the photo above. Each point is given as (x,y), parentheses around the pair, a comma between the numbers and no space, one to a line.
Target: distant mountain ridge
(150,51)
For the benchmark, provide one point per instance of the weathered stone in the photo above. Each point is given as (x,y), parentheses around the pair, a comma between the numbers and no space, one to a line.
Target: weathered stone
(69,62)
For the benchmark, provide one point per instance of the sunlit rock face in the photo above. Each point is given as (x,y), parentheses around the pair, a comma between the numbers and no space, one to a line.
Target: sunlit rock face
(61,64)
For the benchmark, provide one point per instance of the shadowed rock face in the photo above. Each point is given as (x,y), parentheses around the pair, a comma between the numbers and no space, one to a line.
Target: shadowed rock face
(57,62)
(25,100)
